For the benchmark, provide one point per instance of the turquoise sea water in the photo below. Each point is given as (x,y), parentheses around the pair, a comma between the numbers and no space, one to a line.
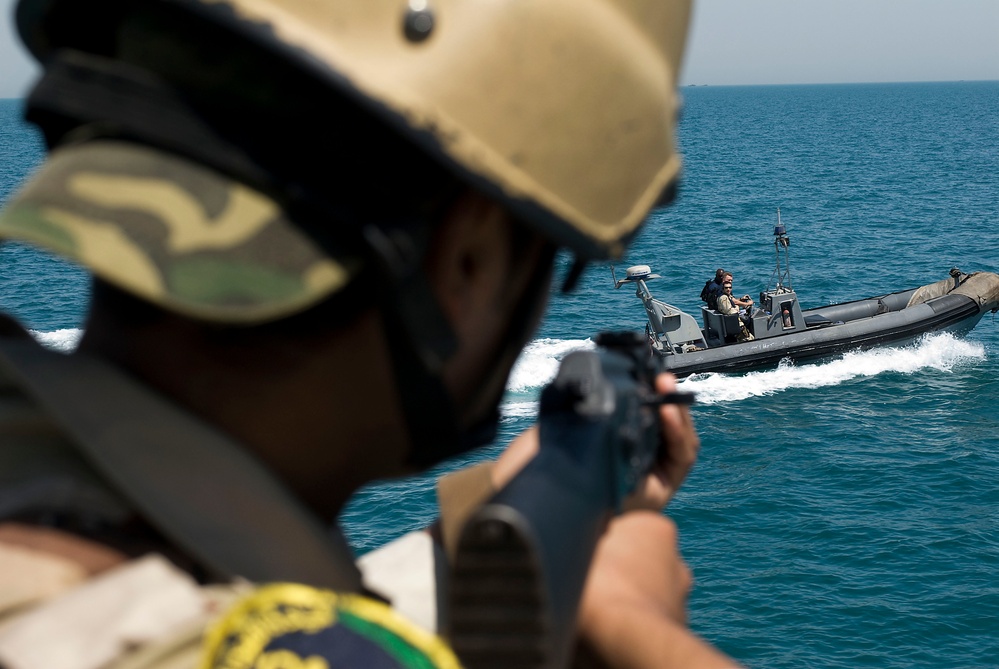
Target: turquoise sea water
(842,514)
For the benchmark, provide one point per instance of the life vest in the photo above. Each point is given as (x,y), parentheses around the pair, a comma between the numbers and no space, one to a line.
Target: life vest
(709,296)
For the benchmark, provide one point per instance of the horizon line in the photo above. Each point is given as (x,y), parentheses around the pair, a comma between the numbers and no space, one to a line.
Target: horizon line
(848,83)
(790,83)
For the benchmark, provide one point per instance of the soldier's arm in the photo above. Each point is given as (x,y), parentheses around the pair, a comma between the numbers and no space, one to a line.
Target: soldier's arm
(633,613)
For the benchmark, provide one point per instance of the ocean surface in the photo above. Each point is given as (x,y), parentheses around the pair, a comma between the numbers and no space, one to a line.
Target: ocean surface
(842,514)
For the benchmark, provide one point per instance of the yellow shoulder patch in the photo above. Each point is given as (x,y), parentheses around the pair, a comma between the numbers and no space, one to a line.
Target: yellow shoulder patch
(292,626)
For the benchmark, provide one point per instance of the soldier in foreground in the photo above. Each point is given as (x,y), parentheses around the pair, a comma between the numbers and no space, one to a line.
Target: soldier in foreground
(320,233)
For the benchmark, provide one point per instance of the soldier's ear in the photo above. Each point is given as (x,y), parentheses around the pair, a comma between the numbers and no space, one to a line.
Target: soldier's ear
(469,260)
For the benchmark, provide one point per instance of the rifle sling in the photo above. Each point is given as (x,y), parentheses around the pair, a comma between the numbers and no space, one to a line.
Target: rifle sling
(200,488)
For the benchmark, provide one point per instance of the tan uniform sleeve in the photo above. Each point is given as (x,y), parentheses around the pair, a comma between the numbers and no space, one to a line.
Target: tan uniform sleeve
(725,305)
(458,495)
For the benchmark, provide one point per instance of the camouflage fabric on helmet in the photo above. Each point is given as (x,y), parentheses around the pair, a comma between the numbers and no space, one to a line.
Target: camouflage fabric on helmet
(174,233)
(572,128)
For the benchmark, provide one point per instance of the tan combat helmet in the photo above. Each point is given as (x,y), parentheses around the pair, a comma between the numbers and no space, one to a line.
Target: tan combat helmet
(564,110)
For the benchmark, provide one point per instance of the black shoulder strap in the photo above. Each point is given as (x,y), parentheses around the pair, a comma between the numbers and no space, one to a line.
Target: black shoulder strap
(201,489)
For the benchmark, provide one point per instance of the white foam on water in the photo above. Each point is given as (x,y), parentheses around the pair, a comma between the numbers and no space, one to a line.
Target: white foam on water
(937,351)
(539,362)
(534,369)
(513,410)
(64,341)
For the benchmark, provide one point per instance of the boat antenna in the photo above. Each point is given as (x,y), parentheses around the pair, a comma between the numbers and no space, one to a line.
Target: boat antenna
(782,272)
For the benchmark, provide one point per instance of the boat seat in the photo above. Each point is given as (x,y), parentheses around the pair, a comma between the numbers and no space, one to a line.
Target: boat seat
(725,327)
(732,325)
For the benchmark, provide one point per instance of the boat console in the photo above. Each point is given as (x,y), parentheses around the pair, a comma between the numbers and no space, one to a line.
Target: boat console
(779,311)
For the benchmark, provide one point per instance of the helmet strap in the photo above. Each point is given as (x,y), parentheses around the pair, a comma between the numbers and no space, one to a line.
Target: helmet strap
(420,341)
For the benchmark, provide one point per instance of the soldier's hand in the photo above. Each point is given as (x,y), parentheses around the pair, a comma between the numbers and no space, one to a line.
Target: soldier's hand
(679,452)
(680,447)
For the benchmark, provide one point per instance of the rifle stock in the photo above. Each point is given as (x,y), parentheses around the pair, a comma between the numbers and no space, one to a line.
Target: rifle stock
(523,557)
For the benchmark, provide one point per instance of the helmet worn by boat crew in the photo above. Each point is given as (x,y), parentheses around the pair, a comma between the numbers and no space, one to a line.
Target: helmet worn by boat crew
(562,110)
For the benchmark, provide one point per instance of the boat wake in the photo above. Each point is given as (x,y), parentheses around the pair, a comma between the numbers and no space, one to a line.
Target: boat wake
(539,362)
(937,351)
(535,368)
(64,341)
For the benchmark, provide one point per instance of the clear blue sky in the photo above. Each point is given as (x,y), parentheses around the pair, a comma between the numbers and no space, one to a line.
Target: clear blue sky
(777,42)
(842,41)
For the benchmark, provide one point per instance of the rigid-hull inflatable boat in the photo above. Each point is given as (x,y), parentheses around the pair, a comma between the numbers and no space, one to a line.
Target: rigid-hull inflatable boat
(783,330)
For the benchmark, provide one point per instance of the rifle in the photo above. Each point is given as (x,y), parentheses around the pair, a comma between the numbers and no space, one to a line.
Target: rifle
(522,558)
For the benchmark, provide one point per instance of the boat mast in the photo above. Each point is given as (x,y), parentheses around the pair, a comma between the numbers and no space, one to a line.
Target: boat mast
(782,271)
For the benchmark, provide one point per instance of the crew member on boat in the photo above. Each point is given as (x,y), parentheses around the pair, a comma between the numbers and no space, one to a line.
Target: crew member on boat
(729,305)
(713,288)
